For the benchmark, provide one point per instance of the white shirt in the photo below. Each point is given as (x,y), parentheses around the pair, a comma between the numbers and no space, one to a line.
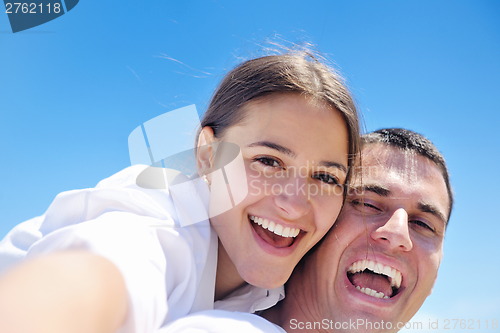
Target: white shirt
(166,253)
(218,321)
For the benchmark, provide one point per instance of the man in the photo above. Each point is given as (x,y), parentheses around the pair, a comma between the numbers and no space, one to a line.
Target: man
(378,264)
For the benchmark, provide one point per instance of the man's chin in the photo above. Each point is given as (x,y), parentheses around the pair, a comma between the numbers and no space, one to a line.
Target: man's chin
(369,313)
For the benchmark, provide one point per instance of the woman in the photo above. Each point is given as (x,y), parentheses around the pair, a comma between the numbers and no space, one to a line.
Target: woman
(134,266)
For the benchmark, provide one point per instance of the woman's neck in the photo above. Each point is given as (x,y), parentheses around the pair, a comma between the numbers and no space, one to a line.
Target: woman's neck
(300,305)
(227,279)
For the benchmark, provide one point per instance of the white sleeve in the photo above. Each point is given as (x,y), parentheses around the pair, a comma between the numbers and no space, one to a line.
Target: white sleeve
(158,281)
(118,193)
(137,230)
(220,321)
(15,245)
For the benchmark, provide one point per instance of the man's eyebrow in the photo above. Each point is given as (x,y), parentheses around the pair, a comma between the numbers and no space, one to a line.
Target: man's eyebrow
(275,146)
(377,189)
(289,152)
(431,209)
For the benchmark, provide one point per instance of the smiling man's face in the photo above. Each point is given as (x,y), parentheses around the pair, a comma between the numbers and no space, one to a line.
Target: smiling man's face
(379,262)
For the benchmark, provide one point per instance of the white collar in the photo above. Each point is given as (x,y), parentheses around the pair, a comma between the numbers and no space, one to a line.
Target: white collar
(251,299)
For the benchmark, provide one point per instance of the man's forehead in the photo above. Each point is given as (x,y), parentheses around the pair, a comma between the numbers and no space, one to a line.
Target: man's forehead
(389,165)
(396,174)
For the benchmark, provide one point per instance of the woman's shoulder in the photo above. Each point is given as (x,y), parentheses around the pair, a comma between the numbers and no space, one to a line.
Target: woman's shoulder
(127,192)
(145,177)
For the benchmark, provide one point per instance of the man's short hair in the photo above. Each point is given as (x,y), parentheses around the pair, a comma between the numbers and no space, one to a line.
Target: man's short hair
(407,140)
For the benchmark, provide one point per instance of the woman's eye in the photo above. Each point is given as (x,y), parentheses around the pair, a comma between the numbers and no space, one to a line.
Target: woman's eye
(268,161)
(327,178)
(422,224)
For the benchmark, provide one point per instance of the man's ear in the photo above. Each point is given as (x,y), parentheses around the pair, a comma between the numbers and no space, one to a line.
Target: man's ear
(205,150)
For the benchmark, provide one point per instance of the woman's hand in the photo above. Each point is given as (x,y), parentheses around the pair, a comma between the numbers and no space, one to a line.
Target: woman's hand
(63,292)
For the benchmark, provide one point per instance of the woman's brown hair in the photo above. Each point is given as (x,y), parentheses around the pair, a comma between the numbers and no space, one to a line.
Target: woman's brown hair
(293,72)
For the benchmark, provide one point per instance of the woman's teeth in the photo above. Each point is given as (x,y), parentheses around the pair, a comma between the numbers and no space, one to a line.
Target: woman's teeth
(276,228)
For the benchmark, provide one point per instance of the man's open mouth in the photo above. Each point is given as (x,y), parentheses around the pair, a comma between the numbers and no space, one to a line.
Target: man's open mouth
(375,279)
(274,233)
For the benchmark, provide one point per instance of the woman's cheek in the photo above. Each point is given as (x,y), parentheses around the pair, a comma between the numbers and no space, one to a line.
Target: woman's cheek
(255,187)
(329,210)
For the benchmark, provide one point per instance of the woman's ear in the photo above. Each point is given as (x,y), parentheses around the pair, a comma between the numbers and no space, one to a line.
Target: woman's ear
(205,150)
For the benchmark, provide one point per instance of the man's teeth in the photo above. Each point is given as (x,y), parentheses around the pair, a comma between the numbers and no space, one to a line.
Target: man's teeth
(372,292)
(394,275)
(278,229)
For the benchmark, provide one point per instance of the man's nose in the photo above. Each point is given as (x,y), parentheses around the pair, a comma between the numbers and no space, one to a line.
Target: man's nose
(293,198)
(394,233)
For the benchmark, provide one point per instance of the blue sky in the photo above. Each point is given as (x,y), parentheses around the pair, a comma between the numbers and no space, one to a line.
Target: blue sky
(72,90)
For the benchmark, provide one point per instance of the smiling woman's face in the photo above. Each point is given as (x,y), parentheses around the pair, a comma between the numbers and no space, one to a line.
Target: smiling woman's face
(294,153)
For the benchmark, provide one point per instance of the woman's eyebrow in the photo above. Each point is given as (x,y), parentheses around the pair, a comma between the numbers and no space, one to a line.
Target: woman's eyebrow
(289,152)
(275,146)
(330,164)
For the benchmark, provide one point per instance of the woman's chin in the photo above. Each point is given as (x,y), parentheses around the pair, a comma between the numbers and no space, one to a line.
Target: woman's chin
(266,281)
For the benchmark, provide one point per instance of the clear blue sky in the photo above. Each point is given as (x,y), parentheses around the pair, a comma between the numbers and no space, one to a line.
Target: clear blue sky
(73,89)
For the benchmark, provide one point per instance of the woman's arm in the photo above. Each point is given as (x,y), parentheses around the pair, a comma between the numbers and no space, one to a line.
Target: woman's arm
(63,292)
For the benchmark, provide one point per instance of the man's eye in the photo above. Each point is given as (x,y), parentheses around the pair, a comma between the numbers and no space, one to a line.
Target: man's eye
(327,178)
(422,224)
(364,206)
(269,161)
